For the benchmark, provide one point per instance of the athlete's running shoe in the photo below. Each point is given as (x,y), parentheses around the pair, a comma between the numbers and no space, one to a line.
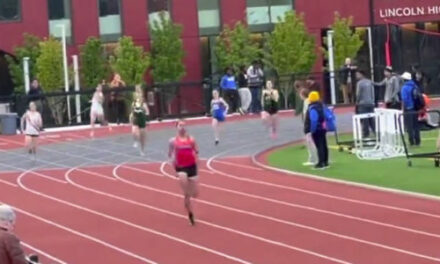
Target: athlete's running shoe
(191,218)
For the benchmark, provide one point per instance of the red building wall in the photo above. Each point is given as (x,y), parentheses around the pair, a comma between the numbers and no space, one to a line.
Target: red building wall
(85,21)
(34,20)
(232,11)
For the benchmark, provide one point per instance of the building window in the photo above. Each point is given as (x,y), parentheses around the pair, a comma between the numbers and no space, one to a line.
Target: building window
(209,17)
(110,27)
(278,8)
(9,10)
(59,16)
(155,7)
(262,14)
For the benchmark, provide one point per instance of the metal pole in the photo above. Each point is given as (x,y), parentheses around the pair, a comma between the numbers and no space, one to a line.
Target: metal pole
(331,64)
(77,88)
(66,70)
(370,46)
(26,75)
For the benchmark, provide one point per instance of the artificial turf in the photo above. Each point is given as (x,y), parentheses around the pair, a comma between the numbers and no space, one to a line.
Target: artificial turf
(422,177)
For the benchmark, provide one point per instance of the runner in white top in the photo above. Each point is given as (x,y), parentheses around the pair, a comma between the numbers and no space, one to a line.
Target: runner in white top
(96,110)
(31,124)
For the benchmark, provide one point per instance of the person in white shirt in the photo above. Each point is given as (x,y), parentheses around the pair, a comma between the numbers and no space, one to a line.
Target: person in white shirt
(31,124)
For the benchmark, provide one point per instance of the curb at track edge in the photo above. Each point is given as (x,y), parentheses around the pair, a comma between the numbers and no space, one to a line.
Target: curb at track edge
(256,156)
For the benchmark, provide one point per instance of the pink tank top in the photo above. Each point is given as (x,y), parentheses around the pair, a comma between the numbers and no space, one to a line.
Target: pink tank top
(184,152)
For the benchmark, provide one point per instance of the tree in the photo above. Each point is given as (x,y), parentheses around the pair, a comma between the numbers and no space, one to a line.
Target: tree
(50,75)
(290,49)
(31,49)
(93,62)
(235,47)
(130,61)
(167,51)
(167,56)
(346,41)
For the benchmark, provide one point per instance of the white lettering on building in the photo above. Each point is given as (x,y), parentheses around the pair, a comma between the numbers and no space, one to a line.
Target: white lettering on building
(409,11)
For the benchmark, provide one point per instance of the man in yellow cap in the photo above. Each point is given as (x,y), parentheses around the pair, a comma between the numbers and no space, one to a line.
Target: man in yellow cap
(315,124)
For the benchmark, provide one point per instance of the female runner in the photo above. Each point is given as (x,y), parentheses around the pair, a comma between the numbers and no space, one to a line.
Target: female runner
(31,124)
(139,115)
(269,115)
(219,108)
(138,94)
(96,110)
(184,149)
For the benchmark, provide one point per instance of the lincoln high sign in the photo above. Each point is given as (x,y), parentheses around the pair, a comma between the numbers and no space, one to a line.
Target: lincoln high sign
(409,11)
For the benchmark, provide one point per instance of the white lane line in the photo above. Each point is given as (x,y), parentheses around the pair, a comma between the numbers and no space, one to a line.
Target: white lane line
(323,211)
(340,198)
(8,183)
(121,221)
(94,174)
(42,253)
(273,218)
(239,165)
(80,234)
(33,172)
(255,237)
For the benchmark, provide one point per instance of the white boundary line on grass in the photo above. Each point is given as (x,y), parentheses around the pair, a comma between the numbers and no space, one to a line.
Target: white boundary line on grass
(343,182)
(389,207)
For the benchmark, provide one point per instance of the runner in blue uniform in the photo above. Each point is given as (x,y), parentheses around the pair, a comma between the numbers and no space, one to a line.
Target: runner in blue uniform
(219,108)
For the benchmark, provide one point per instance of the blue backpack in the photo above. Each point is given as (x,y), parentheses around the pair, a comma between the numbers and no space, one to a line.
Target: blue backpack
(329,119)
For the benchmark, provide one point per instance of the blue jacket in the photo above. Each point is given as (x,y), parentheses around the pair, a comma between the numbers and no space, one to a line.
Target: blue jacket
(228,82)
(407,94)
(314,118)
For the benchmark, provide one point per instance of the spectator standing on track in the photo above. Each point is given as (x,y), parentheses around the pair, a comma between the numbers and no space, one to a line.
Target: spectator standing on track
(392,89)
(348,81)
(10,249)
(255,82)
(312,159)
(219,108)
(409,105)
(31,124)
(314,124)
(365,102)
(117,104)
(229,90)
(184,150)
(243,91)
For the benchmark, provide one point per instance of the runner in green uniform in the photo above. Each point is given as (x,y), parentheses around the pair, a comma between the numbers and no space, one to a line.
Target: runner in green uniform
(139,115)
(270,98)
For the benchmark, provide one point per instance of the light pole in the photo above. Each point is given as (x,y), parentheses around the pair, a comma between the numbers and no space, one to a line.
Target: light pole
(66,70)
(77,88)
(26,74)
(331,66)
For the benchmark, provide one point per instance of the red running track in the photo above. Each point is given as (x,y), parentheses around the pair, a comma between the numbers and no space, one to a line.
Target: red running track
(133,213)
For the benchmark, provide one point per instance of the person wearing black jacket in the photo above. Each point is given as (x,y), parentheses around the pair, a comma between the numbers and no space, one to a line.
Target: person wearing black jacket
(36,95)
(314,124)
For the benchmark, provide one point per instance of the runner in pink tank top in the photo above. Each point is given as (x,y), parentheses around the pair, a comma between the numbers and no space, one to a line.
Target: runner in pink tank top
(183,149)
